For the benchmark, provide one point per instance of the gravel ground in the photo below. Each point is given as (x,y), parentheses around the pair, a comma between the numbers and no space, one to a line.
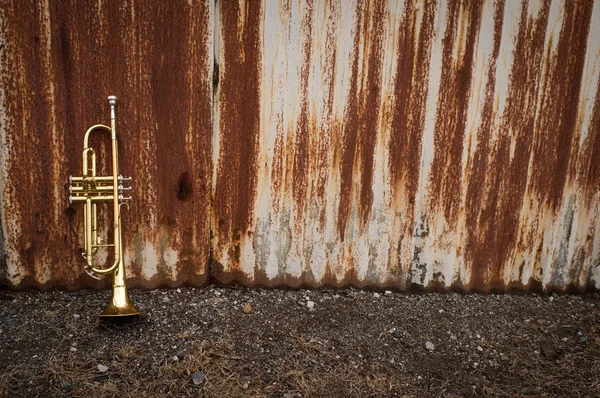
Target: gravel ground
(234,342)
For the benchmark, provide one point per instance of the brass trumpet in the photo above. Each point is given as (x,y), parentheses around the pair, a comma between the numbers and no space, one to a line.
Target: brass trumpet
(91,190)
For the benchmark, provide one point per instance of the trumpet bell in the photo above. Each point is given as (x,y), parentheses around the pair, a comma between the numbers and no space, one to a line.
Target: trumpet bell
(120,305)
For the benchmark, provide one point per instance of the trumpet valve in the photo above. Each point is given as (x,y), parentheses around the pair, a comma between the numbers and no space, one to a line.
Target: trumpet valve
(121,178)
(124,198)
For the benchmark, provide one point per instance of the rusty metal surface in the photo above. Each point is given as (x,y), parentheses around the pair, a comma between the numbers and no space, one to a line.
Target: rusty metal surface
(405,144)
(59,60)
(428,144)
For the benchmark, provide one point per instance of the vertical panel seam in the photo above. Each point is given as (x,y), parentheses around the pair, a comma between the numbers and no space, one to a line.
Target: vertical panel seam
(213,131)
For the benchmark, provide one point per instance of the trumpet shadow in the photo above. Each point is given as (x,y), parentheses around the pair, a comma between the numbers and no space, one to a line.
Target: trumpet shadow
(115,323)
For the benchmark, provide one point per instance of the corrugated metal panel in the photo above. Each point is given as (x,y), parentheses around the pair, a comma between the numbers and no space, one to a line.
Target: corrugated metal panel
(397,143)
(59,60)
(388,143)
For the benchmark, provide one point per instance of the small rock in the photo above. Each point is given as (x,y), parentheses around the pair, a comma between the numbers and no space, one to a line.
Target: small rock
(247,309)
(310,304)
(288,395)
(551,299)
(336,296)
(441,311)
(548,350)
(73,349)
(198,378)
(175,358)
(178,290)
(396,334)
(165,299)
(488,391)
(429,346)
(376,295)
(76,316)
(245,386)
(504,357)
(453,337)
(102,368)
(479,348)
(217,293)
(388,292)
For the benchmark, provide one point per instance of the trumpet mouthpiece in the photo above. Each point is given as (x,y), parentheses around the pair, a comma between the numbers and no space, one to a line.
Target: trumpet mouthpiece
(112,99)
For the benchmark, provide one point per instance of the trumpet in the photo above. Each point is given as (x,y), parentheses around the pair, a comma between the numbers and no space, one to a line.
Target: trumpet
(91,190)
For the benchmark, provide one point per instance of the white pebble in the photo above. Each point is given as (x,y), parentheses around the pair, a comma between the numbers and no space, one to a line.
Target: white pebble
(310,304)
(102,368)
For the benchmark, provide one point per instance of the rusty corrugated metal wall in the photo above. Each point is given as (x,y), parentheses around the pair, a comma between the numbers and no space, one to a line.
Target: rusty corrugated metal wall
(59,60)
(401,143)
(446,144)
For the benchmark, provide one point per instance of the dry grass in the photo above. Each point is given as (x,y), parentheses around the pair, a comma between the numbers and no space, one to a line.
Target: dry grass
(134,375)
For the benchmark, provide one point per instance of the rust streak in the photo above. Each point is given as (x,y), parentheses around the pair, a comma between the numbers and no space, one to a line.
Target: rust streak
(301,154)
(553,140)
(239,128)
(453,103)
(591,166)
(408,119)
(361,115)
(494,221)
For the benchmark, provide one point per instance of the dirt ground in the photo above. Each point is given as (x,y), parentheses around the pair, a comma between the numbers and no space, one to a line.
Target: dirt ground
(351,343)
